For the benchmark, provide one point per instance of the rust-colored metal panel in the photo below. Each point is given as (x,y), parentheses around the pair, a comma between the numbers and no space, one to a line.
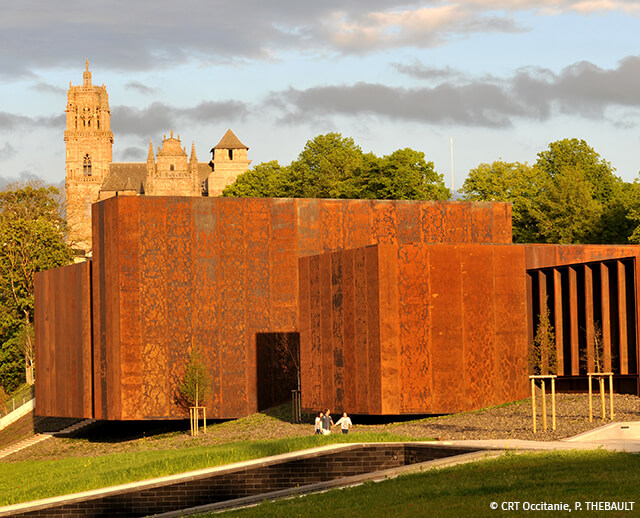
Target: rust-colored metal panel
(432,222)
(356,223)
(447,338)
(551,256)
(372,278)
(479,324)
(362,337)
(389,329)
(457,216)
(332,227)
(588,304)
(622,319)
(480,223)
(558,323)
(605,304)
(349,331)
(384,222)
(309,239)
(337,338)
(501,223)
(416,387)
(573,316)
(326,330)
(62,323)
(409,226)
(511,343)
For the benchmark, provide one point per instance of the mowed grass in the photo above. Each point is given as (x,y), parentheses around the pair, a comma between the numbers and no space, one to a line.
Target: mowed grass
(469,489)
(34,480)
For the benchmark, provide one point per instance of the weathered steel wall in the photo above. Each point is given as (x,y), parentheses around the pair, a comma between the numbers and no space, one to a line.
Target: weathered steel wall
(62,323)
(176,273)
(416,328)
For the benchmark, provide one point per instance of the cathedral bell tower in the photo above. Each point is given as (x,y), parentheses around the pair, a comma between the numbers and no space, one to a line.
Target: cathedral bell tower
(88,141)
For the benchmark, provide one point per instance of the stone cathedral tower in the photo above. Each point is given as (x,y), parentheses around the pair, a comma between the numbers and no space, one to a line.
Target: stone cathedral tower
(88,141)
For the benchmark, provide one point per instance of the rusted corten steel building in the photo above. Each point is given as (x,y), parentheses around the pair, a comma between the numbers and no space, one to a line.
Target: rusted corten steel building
(398,307)
(170,273)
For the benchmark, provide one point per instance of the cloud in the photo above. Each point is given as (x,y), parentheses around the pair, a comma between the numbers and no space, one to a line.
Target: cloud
(133,154)
(22,178)
(7,151)
(47,88)
(139,87)
(160,117)
(420,71)
(11,121)
(129,36)
(581,89)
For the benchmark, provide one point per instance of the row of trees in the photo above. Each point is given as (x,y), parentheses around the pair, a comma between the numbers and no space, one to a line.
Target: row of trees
(31,240)
(570,195)
(332,166)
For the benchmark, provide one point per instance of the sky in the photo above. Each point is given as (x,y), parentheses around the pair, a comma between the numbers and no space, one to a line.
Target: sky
(465,82)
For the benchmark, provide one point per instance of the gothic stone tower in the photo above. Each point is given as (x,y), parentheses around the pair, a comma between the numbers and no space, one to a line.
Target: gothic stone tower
(89,142)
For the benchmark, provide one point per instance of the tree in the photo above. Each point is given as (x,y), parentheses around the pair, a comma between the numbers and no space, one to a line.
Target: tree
(542,352)
(515,182)
(195,387)
(31,240)
(402,175)
(333,166)
(263,181)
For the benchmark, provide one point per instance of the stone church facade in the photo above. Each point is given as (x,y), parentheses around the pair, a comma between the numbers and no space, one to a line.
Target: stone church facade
(91,174)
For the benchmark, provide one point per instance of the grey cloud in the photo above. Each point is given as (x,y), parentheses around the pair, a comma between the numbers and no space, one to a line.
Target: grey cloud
(126,35)
(7,151)
(11,121)
(140,87)
(420,71)
(133,154)
(47,88)
(580,89)
(23,177)
(159,117)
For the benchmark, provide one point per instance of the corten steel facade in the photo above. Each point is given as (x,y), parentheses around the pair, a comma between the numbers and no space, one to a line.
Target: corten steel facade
(591,293)
(63,341)
(171,273)
(413,328)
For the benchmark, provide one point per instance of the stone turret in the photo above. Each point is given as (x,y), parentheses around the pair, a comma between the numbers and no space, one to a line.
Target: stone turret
(229,160)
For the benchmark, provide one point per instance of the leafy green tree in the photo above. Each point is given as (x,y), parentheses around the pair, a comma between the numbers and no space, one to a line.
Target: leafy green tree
(566,212)
(402,175)
(323,167)
(515,182)
(31,240)
(263,181)
(333,166)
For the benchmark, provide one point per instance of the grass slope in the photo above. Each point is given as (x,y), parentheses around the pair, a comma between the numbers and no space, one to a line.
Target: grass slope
(32,480)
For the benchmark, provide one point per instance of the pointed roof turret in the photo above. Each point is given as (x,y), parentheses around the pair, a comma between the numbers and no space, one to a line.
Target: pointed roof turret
(86,76)
(193,153)
(150,157)
(229,141)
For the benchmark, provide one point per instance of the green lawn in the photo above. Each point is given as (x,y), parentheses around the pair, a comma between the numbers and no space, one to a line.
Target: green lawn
(32,480)
(468,490)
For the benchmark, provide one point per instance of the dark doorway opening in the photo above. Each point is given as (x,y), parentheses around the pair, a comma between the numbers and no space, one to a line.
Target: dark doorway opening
(278,367)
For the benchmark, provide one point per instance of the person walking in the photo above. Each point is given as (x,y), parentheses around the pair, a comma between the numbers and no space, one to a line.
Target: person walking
(327,422)
(344,422)
(318,424)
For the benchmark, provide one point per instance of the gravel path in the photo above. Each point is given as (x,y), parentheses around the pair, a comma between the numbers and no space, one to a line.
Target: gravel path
(514,421)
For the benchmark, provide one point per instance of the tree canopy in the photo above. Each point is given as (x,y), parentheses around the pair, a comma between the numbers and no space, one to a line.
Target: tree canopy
(570,195)
(31,240)
(333,166)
